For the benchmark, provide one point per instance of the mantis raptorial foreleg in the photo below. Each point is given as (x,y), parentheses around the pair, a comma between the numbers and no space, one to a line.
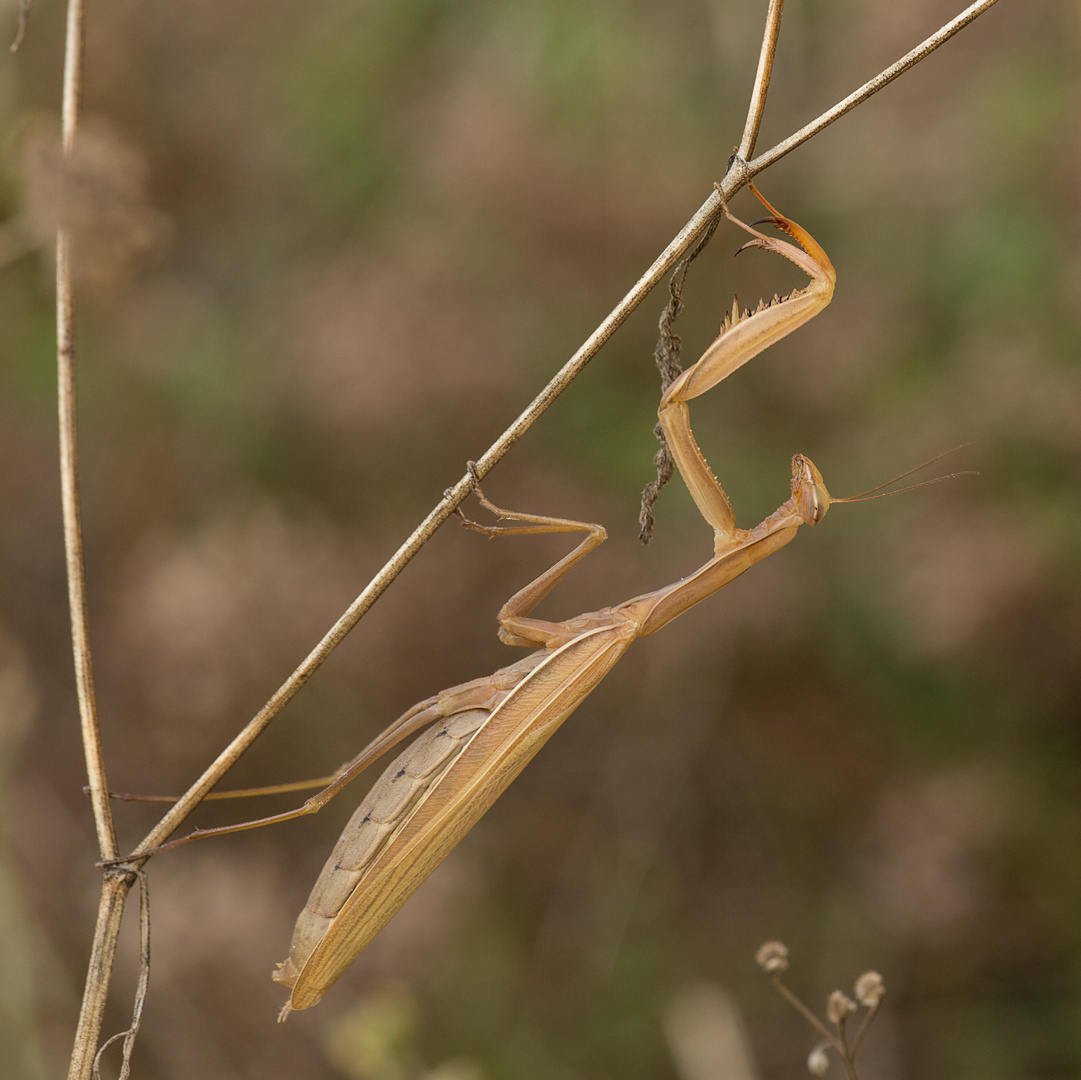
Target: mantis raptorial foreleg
(743,336)
(483,733)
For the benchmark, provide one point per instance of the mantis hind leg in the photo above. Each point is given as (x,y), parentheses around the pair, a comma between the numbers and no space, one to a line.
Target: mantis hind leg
(515,627)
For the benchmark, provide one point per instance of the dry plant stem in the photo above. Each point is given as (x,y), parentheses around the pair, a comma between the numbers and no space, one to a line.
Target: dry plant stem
(861,1032)
(848,1056)
(114,886)
(739,172)
(69,459)
(883,78)
(761,80)
(114,893)
(808,1015)
(129,1036)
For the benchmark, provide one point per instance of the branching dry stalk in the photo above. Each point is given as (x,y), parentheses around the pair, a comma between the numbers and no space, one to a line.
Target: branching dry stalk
(118,881)
(772,958)
(868,89)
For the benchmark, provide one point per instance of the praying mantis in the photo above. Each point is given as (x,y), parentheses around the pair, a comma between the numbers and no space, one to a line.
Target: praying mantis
(484,732)
(481,734)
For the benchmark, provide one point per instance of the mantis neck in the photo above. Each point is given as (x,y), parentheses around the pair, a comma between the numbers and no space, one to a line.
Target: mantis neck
(656,609)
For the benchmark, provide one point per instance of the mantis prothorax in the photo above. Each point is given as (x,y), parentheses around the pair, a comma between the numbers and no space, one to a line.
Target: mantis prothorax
(483,733)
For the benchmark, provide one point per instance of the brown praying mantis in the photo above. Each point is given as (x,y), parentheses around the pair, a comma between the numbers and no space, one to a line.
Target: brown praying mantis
(483,733)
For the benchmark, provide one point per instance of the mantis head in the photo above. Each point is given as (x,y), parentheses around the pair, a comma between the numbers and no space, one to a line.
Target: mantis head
(812,500)
(809,490)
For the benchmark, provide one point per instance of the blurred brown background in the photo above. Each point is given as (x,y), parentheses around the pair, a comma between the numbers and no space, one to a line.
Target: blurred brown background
(331,249)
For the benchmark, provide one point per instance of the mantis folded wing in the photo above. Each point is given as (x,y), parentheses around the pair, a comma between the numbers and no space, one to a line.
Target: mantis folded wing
(483,733)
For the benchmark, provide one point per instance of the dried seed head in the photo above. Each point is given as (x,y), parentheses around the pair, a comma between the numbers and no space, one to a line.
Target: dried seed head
(839,1006)
(98,191)
(772,957)
(818,1060)
(870,989)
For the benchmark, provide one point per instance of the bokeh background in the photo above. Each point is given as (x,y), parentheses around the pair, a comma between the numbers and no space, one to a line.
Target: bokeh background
(330,250)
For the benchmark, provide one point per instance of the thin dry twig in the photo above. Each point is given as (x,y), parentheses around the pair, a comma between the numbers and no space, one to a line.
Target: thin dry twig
(69,456)
(757,107)
(739,173)
(666,355)
(132,1032)
(861,1031)
(808,1015)
(114,894)
(872,86)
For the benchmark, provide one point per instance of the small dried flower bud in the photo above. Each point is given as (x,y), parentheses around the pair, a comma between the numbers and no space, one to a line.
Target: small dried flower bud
(818,1060)
(772,957)
(839,1006)
(870,989)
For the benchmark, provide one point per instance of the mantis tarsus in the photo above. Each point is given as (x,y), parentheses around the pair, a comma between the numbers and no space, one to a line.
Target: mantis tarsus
(483,733)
